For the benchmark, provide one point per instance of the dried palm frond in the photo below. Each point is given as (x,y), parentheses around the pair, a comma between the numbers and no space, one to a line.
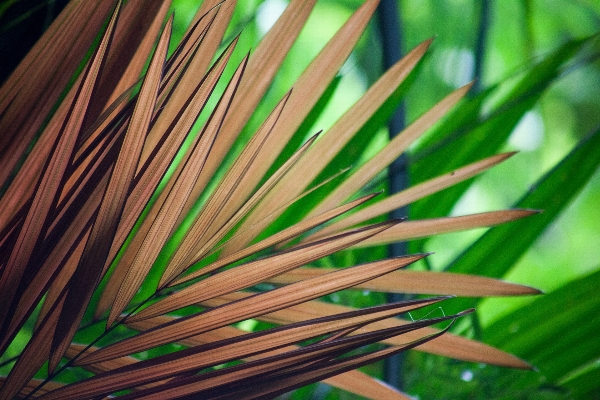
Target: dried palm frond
(104,251)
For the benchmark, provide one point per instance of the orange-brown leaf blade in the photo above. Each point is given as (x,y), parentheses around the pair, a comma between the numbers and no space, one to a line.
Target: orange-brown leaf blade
(218,208)
(247,308)
(92,261)
(175,121)
(279,237)
(255,272)
(202,356)
(356,382)
(49,185)
(449,345)
(23,185)
(270,386)
(274,364)
(336,138)
(392,151)
(422,282)
(175,127)
(411,194)
(262,67)
(58,266)
(137,31)
(33,356)
(214,35)
(247,206)
(427,227)
(34,385)
(27,102)
(170,210)
(307,90)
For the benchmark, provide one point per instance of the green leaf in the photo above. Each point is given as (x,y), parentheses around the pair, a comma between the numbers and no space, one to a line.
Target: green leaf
(466,136)
(557,332)
(585,384)
(497,250)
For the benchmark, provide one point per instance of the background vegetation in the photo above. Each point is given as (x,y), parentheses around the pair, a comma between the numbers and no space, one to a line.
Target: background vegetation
(538,94)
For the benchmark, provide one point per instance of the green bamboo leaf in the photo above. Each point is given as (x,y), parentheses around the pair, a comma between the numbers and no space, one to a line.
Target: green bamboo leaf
(467,136)
(551,193)
(556,345)
(584,384)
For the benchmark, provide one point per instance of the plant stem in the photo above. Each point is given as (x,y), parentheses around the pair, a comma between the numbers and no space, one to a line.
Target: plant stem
(391,38)
(484,21)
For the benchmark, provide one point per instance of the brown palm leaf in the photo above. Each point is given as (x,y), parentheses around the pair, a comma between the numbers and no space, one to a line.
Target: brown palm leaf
(126,228)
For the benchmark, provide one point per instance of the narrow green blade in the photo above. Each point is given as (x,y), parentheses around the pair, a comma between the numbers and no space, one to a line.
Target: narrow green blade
(499,249)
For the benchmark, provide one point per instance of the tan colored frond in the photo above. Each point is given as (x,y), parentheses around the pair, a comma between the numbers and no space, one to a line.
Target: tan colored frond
(34,384)
(251,307)
(26,102)
(333,141)
(254,272)
(142,213)
(435,226)
(449,345)
(393,150)
(352,381)
(34,355)
(49,185)
(411,194)
(262,67)
(422,282)
(219,205)
(164,223)
(210,355)
(175,124)
(307,90)
(286,234)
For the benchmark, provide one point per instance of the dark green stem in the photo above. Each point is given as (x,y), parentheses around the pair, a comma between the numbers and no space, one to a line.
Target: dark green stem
(391,38)
(482,32)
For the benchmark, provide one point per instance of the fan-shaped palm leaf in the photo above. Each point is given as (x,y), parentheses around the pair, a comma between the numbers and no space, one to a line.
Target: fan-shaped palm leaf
(99,229)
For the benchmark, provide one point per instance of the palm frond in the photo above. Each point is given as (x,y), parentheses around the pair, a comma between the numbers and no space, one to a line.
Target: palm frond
(126,228)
